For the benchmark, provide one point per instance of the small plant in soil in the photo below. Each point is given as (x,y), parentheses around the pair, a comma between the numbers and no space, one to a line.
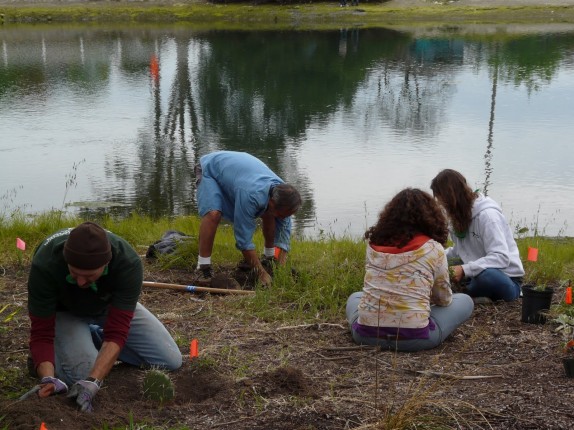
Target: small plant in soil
(543,276)
(547,271)
(203,363)
(158,386)
(566,328)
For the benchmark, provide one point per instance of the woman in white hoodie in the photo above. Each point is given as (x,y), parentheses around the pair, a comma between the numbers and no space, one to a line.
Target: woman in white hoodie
(482,240)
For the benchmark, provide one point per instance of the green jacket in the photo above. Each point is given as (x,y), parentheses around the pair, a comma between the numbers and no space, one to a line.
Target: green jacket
(51,289)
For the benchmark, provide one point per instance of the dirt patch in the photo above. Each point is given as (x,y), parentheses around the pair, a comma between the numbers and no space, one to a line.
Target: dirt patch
(493,372)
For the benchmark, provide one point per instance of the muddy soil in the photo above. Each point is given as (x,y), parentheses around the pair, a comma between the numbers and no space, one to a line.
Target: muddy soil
(493,372)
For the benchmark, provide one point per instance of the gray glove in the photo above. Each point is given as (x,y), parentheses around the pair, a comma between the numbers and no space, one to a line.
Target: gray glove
(60,387)
(84,392)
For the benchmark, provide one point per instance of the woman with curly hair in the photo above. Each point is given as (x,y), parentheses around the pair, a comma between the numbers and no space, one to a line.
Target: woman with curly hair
(482,240)
(407,303)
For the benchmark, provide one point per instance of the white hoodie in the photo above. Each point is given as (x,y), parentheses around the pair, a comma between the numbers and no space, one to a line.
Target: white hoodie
(488,243)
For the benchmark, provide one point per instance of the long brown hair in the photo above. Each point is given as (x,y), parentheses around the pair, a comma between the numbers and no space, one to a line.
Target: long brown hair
(411,212)
(452,191)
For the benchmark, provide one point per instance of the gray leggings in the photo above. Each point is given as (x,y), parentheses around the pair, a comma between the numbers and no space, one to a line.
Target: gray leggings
(446,319)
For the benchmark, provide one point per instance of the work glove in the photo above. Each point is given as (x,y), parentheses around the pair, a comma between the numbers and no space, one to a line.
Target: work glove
(43,389)
(60,387)
(84,392)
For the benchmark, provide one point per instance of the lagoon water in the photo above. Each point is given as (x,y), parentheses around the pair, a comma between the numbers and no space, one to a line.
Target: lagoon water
(106,120)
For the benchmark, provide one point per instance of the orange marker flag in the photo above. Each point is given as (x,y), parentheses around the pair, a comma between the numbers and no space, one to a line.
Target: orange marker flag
(532,254)
(20,244)
(568,298)
(43,427)
(193,350)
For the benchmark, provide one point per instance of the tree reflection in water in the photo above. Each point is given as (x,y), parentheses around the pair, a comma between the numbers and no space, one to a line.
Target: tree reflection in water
(266,93)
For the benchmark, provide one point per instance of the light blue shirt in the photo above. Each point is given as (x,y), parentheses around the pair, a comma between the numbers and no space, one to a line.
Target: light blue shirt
(238,185)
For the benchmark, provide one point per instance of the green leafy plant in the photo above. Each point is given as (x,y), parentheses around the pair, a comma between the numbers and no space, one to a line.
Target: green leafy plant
(566,328)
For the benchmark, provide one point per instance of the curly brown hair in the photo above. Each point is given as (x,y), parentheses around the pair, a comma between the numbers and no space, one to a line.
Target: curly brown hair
(452,191)
(411,212)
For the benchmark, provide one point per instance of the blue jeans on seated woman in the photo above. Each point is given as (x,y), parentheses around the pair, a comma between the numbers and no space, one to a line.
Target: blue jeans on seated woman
(494,284)
(446,319)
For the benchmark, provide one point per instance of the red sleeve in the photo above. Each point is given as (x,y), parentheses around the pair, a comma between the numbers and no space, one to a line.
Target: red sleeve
(117,326)
(42,339)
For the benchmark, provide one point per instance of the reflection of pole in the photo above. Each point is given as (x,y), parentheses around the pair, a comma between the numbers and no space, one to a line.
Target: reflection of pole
(154,68)
(488,154)
(343,42)
(82,53)
(44,51)
(355,39)
(154,72)
(5,53)
(156,191)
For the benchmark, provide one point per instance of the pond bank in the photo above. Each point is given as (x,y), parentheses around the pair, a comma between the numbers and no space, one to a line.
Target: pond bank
(316,15)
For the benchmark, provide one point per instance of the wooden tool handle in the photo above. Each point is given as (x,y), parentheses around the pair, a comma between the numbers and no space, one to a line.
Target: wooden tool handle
(194,289)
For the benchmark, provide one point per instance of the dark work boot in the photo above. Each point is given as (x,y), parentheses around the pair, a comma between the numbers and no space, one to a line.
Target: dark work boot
(204,272)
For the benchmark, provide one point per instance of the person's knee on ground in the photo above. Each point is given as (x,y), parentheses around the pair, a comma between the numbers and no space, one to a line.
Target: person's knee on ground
(149,344)
(462,308)
(73,371)
(352,308)
(495,285)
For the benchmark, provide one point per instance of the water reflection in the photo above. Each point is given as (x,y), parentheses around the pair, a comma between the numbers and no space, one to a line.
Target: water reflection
(490,139)
(349,116)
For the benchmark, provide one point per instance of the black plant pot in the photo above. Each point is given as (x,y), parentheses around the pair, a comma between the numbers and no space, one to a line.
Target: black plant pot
(568,366)
(535,304)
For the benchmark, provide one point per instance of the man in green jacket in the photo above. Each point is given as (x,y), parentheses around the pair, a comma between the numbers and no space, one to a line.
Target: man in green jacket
(83,292)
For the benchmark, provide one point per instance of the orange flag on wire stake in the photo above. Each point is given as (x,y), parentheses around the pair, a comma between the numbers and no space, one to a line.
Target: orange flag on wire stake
(43,427)
(20,244)
(532,254)
(193,349)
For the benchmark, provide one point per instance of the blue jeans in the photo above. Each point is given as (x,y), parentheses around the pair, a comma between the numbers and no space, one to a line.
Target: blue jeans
(494,284)
(78,340)
(446,319)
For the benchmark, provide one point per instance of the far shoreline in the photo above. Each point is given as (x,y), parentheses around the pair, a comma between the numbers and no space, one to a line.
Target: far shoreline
(323,15)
